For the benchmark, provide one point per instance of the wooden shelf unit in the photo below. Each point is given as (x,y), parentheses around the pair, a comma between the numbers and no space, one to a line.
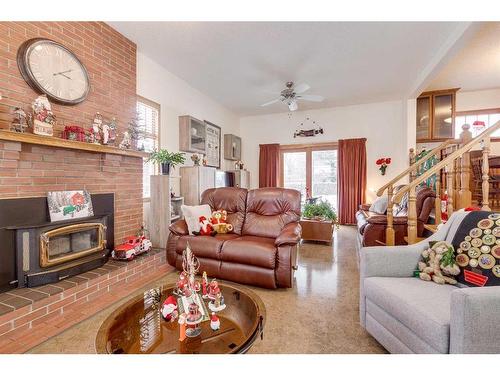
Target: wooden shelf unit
(7,135)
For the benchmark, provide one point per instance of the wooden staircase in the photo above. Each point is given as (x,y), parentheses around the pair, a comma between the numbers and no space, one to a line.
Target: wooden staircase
(449,171)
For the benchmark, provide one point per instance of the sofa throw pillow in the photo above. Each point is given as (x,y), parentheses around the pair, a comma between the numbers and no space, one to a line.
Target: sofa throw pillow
(380,205)
(477,243)
(192,216)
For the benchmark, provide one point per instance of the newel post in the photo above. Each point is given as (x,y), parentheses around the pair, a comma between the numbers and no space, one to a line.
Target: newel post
(412,216)
(464,194)
(389,230)
(486,175)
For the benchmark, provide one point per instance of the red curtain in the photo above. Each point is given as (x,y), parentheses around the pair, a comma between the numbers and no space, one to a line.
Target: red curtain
(351,178)
(269,165)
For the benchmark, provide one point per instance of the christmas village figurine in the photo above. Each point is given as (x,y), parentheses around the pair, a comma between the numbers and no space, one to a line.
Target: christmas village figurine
(169,309)
(43,118)
(96,131)
(21,121)
(126,142)
(193,320)
(214,322)
(111,132)
(204,284)
(216,298)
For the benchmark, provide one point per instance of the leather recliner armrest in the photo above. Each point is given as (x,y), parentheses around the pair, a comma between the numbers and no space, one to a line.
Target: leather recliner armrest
(179,228)
(290,235)
(382,220)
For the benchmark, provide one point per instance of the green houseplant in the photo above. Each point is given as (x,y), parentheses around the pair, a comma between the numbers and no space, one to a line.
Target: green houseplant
(321,210)
(166,159)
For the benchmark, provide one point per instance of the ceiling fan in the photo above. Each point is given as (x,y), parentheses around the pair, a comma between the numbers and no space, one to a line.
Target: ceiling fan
(292,93)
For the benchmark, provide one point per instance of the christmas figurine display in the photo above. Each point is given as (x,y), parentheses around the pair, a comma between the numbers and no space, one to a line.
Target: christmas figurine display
(193,320)
(96,131)
(216,298)
(112,132)
(204,284)
(214,322)
(169,309)
(126,141)
(43,118)
(105,134)
(21,121)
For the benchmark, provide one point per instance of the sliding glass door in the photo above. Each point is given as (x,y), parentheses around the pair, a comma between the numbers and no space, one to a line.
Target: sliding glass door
(311,169)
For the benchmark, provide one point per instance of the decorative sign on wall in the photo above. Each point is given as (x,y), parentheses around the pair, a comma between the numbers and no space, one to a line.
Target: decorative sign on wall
(213,134)
(308,128)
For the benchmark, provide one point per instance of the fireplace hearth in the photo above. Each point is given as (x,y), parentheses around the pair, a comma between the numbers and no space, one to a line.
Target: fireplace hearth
(39,252)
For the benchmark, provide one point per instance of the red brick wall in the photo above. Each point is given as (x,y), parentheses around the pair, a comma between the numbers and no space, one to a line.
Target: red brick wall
(28,170)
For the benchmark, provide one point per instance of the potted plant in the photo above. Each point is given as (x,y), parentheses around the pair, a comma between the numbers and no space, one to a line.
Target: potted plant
(320,210)
(166,159)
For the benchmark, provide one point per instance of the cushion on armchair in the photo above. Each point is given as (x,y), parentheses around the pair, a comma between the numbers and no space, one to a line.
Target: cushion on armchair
(477,243)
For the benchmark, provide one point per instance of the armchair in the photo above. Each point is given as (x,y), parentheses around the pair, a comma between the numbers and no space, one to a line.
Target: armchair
(395,306)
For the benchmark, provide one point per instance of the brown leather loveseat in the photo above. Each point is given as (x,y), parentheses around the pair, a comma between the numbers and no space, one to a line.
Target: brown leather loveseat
(261,250)
(372,226)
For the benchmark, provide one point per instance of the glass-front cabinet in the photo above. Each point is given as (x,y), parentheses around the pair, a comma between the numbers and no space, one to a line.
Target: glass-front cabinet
(436,115)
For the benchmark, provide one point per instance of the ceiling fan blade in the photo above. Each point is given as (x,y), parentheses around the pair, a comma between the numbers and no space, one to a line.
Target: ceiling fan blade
(311,98)
(301,87)
(269,103)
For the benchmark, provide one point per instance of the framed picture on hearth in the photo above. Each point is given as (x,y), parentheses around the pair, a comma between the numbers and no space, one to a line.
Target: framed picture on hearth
(72,204)
(213,134)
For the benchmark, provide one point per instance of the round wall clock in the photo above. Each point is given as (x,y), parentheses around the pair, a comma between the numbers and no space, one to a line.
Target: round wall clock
(52,69)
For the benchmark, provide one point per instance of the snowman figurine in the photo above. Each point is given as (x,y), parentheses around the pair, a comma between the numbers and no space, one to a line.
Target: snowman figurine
(214,322)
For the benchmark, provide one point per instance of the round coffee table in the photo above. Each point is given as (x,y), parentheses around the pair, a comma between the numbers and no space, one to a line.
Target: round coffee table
(138,327)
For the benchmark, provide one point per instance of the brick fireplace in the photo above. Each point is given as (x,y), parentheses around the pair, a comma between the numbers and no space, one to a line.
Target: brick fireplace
(30,170)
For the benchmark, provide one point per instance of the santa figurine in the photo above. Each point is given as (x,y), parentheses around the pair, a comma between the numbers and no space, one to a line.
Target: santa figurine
(214,322)
(204,284)
(206,229)
(169,309)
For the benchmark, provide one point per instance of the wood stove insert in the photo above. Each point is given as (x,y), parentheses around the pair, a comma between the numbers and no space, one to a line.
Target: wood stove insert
(38,251)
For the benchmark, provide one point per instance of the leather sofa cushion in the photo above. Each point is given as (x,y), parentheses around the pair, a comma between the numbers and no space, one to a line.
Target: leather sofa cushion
(423,307)
(233,200)
(256,251)
(204,246)
(269,210)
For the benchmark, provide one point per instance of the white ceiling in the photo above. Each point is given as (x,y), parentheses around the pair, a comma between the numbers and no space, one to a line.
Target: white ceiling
(242,65)
(476,66)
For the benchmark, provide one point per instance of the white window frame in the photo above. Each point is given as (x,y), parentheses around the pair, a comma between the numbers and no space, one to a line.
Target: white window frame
(471,116)
(155,135)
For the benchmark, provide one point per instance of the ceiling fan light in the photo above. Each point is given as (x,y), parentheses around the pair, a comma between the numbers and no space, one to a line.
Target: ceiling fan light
(292,105)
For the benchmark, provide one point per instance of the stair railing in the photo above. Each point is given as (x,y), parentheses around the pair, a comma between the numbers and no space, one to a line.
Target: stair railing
(411,171)
(457,159)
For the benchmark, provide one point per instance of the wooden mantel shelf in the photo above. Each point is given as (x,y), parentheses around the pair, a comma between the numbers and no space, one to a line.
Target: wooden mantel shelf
(42,140)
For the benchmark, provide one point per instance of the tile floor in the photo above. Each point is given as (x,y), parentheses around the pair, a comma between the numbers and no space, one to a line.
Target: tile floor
(318,315)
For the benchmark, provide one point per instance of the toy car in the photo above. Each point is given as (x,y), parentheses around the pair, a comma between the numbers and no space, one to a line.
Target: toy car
(135,245)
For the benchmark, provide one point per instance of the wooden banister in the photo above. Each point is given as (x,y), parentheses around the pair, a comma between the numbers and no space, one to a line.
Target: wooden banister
(413,168)
(446,161)
(458,159)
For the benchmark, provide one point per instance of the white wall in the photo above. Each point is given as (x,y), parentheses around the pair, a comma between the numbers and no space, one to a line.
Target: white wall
(383,124)
(473,100)
(177,98)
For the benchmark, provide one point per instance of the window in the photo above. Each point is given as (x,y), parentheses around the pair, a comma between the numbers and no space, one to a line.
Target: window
(488,116)
(311,169)
(148,120)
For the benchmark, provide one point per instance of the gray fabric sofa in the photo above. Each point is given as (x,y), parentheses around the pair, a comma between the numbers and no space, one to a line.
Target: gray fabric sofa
(408,315)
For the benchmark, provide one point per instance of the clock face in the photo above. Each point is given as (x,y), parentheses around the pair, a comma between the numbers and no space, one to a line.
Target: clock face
(52,69)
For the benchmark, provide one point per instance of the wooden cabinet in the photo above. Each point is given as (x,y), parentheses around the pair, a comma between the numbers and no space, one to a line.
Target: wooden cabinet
(194,181)
(232,147)
(436,115)
(192,135)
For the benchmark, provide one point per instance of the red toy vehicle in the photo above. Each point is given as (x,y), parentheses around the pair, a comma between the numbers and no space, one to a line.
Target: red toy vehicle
(135,245)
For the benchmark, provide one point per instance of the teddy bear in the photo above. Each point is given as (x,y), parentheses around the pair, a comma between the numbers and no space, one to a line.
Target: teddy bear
(219,222)
(438,264)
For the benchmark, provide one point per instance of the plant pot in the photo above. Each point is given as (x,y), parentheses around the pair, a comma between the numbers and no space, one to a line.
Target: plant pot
(165,168)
